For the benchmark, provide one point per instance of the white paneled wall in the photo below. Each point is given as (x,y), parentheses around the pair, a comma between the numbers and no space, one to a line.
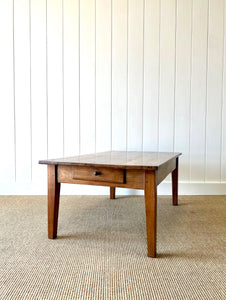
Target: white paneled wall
(79,76)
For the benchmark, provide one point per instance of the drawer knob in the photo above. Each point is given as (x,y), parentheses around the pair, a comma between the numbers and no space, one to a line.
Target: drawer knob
(96,173)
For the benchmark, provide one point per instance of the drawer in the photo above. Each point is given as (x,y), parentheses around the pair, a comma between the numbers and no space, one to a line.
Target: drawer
(95,174)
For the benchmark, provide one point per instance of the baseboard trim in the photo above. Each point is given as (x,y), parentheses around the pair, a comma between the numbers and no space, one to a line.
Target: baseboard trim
(185,188)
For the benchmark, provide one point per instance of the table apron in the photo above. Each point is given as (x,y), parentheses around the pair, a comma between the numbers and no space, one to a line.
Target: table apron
(133,179)
(165,169)
(129,178)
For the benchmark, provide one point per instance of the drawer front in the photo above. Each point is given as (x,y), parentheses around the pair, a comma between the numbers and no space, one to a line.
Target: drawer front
(91,174)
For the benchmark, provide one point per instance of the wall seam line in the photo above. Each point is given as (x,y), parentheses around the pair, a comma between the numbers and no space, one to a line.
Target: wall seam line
(143,60)
(222,95)
(95,74)
(127,77)
(63,98)
(47,85)
(111,73)
(30,56)
(79,73)
(14,94)
(190,96)
(159,73)
(206,108)
(175,76)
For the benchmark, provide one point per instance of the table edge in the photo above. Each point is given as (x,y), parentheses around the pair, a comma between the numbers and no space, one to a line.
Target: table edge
(98,165)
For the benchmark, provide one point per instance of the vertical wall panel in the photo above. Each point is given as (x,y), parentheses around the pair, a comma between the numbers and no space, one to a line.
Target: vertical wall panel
(198,90)
(71,77)
(151,75)
(38,87)
(135,75)
(182,85)
(223,129)
(87,76)
(7,153)
(79,76)
(119,74)
(223,154)
(55,80)
(103,75)
(22,90)
(214,90)
(167,72)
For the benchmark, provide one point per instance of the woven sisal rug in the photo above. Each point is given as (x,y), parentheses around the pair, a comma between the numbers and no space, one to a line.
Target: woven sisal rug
(100,252)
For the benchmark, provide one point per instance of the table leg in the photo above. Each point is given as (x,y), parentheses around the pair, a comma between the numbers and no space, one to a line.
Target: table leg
(112,192)
(175,184)
(151,211)
(53,201)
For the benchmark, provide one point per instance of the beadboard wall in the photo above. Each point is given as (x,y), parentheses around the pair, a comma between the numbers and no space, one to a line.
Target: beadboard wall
(94,75)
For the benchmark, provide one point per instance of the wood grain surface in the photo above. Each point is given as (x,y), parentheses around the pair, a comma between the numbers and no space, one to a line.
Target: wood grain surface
(114,159)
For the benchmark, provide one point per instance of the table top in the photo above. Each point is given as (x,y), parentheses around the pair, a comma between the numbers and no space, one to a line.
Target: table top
(117,159)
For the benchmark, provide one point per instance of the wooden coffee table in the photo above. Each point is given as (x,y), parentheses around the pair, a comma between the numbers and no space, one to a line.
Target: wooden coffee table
(135,170)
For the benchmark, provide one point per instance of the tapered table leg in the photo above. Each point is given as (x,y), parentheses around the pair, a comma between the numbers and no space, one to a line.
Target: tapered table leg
(112,192)
(53,201)
(151,211)
(175,184)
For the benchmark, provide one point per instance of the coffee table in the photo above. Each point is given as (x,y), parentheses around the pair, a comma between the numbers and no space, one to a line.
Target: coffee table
(132,169)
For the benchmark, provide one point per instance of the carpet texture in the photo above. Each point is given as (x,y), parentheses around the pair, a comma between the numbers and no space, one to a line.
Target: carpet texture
(100,252)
